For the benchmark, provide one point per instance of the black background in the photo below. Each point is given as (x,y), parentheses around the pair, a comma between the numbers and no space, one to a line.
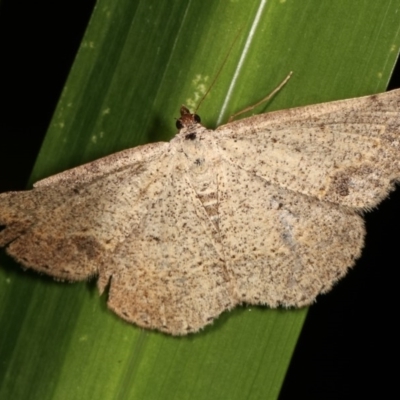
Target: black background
(349,345)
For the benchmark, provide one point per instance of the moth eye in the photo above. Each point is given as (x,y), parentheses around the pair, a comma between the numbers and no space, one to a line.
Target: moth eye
(196,118)
(179,124)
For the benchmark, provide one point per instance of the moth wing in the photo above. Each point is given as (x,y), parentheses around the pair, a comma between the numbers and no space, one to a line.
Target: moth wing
(138,226)
(282,247)
(346,152)
(132,158)
(168,273)
(66,223)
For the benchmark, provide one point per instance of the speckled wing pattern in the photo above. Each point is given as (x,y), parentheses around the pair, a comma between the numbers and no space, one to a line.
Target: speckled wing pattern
(264,210)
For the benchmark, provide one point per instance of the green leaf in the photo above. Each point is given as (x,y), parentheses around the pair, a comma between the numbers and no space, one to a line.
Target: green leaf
(138,62)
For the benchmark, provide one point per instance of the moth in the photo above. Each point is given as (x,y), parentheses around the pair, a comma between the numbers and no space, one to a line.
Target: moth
(264,210)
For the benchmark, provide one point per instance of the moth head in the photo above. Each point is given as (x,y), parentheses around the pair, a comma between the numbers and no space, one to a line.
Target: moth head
(187,119)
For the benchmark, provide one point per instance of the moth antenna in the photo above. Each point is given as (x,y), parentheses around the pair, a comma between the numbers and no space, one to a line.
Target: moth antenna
(265,99)
(219,70)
